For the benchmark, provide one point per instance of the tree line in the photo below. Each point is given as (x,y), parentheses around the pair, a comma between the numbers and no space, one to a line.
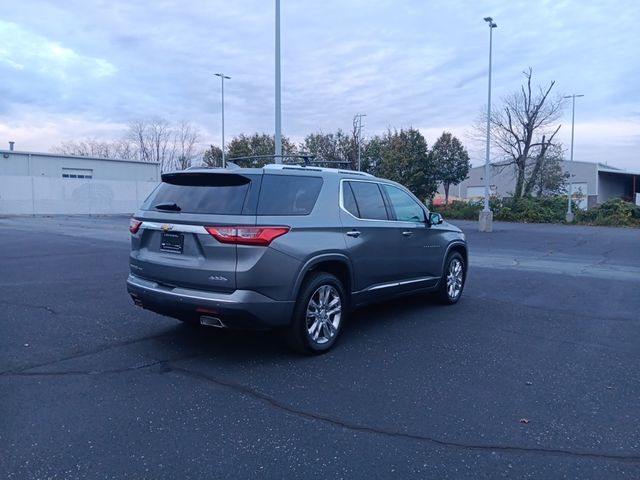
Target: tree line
(399,155)
(174,147)
(523,131)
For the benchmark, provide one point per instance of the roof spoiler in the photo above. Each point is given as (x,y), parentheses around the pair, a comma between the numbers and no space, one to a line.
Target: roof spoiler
(211,178)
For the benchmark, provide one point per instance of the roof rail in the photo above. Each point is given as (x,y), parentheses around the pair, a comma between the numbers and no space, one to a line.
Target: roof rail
(303,157)
(313,168)
(304,160)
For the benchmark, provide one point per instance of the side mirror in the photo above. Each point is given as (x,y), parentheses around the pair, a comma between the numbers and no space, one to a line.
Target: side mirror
(435,218)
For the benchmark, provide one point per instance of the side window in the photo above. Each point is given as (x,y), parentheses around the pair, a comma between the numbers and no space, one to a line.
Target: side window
(369,200)
(349,200)
(288,194)
(406,209)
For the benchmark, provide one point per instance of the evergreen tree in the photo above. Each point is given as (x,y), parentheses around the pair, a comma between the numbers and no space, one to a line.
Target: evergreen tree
(450,160)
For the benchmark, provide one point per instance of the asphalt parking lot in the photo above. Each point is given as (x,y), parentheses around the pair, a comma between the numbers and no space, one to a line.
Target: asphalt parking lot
(534,374)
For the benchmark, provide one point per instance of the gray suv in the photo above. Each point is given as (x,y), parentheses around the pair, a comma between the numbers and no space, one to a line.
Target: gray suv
(287,246)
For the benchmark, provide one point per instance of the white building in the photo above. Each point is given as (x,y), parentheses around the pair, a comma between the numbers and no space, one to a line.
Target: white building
(595,182)
(45,183)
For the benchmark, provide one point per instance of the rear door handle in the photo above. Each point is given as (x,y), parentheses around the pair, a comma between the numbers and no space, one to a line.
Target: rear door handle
(354,233)
(407,233)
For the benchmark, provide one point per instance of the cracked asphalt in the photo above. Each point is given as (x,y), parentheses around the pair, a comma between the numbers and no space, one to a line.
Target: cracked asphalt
(533,374)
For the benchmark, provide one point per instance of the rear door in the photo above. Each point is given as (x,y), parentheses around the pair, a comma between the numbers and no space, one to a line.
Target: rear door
(174,246)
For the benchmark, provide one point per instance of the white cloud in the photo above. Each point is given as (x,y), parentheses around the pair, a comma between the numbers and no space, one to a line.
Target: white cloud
(410,63)
(26,50)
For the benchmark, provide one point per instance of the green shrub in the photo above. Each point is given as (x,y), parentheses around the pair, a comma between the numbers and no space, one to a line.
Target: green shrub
(546,210)
(460,210)
(612,213)
(533,210)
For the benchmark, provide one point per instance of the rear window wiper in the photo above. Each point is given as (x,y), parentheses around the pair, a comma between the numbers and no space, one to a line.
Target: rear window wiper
(168,206)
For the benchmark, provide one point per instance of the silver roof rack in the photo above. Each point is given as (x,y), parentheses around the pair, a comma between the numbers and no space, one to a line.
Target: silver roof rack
(284,166)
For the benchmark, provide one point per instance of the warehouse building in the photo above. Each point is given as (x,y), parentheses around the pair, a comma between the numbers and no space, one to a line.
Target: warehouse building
(46,183)
(592,183)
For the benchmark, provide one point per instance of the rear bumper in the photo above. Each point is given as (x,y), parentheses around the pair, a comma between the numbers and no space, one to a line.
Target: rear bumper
(240,309)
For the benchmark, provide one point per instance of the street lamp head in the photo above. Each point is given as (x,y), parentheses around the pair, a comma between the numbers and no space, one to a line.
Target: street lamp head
(490,21)
(222,75)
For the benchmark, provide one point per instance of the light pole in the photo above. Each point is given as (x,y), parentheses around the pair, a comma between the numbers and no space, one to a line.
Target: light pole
(278,136)
(486,215)
(573,97)
(222,79)
(358,124)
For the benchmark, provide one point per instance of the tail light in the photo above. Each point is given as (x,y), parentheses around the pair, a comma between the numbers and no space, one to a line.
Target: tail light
(134,225)
(241,235)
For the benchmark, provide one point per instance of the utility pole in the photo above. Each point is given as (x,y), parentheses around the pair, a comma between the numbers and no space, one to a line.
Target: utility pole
(569,216)
(278,136)
(486,215)
(357,124)
(222,79)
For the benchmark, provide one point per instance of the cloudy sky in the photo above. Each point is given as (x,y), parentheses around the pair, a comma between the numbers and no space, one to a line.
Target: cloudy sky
(85,68)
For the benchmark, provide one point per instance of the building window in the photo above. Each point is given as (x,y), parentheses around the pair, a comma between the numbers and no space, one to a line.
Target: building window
(77,173)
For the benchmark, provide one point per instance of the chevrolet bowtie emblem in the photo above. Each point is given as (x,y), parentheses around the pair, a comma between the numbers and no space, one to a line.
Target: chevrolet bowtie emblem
(166,227)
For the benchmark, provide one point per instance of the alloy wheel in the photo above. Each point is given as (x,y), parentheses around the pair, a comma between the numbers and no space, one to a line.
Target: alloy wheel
(455,276)
(324,312)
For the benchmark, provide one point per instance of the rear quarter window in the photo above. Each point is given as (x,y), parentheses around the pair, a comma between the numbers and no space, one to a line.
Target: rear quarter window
(288,194)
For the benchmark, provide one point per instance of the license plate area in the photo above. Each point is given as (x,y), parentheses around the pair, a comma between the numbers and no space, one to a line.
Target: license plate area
(172,242)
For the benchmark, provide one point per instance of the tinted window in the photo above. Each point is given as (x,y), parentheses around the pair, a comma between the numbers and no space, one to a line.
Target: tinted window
(349,200)
(288,194)
(406,209)
(221,194)
(369,200)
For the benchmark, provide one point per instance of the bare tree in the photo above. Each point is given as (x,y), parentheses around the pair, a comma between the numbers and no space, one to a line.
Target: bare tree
(163,149)
(124,150)
(89,147)
(524,128)
(138,136)
(154,141)
(69,148)
(186,140)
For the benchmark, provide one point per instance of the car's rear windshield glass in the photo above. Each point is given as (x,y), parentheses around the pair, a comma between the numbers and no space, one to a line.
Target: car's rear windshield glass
(221,194)
(288,194)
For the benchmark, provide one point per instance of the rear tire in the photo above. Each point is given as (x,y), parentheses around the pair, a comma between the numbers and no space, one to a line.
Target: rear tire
(453,279)
(319,314)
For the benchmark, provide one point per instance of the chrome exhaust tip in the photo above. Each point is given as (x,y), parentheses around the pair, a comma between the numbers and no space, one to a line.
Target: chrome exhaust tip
(212,321)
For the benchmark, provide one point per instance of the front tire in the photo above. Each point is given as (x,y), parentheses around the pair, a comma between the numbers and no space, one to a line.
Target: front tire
(319,314)
(453,279)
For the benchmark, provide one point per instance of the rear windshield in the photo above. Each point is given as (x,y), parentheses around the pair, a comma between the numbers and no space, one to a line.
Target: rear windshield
(288,194)
(232,194)
(222,194)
